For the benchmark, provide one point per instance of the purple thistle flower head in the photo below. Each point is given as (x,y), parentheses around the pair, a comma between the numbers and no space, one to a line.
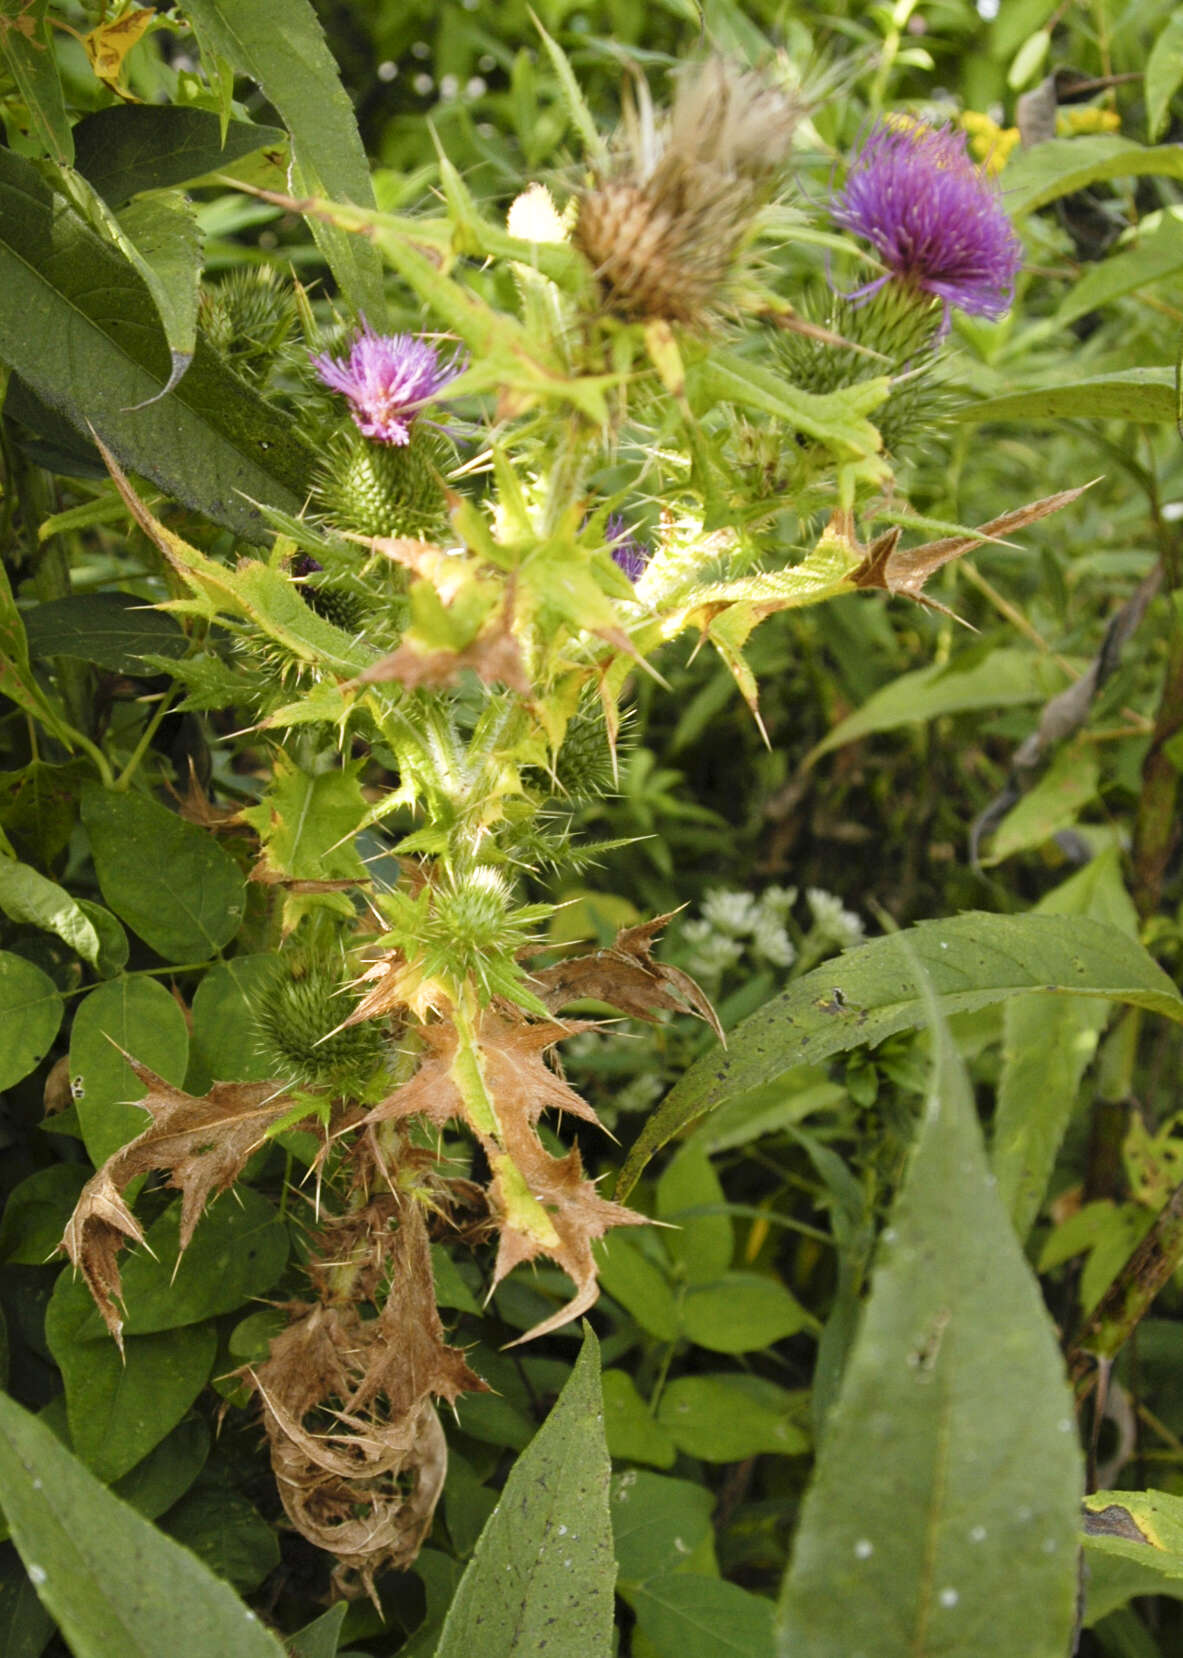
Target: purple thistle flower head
(629,554)
(388,378)
(933,217)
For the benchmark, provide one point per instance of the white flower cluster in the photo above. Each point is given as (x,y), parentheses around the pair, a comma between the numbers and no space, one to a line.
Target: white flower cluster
(829,917)
(735,923)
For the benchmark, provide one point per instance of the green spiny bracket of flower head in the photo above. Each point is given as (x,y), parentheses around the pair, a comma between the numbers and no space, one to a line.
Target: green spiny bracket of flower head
(466,930)
(583,767)
(382,489)
(297,1014)
(662,225)
(248,318)
(346,605)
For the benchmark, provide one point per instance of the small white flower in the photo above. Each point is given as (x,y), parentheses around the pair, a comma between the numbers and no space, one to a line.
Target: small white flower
(778,902)
(730,912)
(772,942)
(830,918)
(714,955)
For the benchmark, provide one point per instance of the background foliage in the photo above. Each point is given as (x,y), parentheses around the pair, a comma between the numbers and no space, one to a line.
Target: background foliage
(932,1186)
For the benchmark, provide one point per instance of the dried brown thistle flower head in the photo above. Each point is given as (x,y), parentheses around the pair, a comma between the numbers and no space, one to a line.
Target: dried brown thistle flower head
(663,222)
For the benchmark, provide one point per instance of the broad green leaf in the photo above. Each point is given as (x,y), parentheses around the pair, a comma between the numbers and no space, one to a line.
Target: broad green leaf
(1003,679)
(39,808)
(138,1016)
(237,1253)
(632,1432)
(703,1617)
(702,1244)
(30,1013)
(1143,395)
(25,1625)
(1164,72)
(1156,254)
(280,44)
(319,1638)
(110,1579)
(169,880)
(29,897)
(660,1526)
(1045,172)
(740,1312)
(27,50)
(1053,804)
(728,1417)
(972,960)
(121,1407)
(542,1575)
(167,1472)
(1046,1049)
(132,147)
(964,1540)
(1142,1529)
(36,1212)
(114,630)
(226,1533)
(16,680)
(838,419)
(114,948)
(224,1040)
(630,1275)
(76,322)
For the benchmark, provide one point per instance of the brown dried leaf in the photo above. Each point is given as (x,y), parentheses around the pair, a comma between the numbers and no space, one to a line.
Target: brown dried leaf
(906,572)
(202,1143)
(356,1446)
(628,977)
(494,656)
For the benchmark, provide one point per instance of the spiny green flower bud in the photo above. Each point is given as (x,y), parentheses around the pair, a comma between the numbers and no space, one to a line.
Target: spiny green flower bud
(297,1013)
(583,769)
(248,317)
(384,489)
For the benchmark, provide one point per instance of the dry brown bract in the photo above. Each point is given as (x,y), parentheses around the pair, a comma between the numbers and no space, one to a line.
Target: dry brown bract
(628,977)
(204,1145)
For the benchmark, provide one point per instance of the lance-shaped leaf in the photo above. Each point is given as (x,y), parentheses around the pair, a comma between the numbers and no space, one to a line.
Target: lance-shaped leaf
(972,960)
(78,324)
(963,1539)
(203,1144)
(283,48)
(132,147)
(26,47)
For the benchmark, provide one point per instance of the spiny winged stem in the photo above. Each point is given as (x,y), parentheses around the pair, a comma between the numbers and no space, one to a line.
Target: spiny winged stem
(573,453)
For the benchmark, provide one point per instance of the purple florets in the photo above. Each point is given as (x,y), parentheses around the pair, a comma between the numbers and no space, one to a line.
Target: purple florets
(628,553)
(388,378)
(933,217)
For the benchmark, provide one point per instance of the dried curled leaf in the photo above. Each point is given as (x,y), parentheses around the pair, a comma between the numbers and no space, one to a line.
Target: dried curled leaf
(627,976)
(203,1144)
(356,1446)
(494,656)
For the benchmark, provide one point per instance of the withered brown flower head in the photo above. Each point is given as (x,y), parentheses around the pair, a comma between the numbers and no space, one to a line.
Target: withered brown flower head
(664,221)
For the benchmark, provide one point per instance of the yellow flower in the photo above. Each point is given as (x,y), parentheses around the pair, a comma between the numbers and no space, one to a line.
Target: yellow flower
(989,142)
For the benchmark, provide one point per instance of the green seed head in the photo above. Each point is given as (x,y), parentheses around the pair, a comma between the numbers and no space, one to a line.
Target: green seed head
(297,1014)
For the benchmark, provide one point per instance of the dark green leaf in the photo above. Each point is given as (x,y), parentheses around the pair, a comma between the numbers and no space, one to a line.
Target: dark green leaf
(119,1408)
(238,1251)
(972,960)
(134,147)
(633,1434)
(226,1534)
(36,1212)
(319,1638)
(955,1400)
(541,1578)
(224,1042)
(741,1311)
(25,1625)
(78,324)
(1045,172)
(169,880)
(1164,73)
(30,1013)
(660,1525)
(726,1418)
(138,1016)
(168,1470)
(114,1584)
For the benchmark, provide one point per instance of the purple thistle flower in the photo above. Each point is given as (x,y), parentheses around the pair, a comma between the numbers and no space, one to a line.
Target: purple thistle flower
(629,554)
(388,378)
(934,218)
